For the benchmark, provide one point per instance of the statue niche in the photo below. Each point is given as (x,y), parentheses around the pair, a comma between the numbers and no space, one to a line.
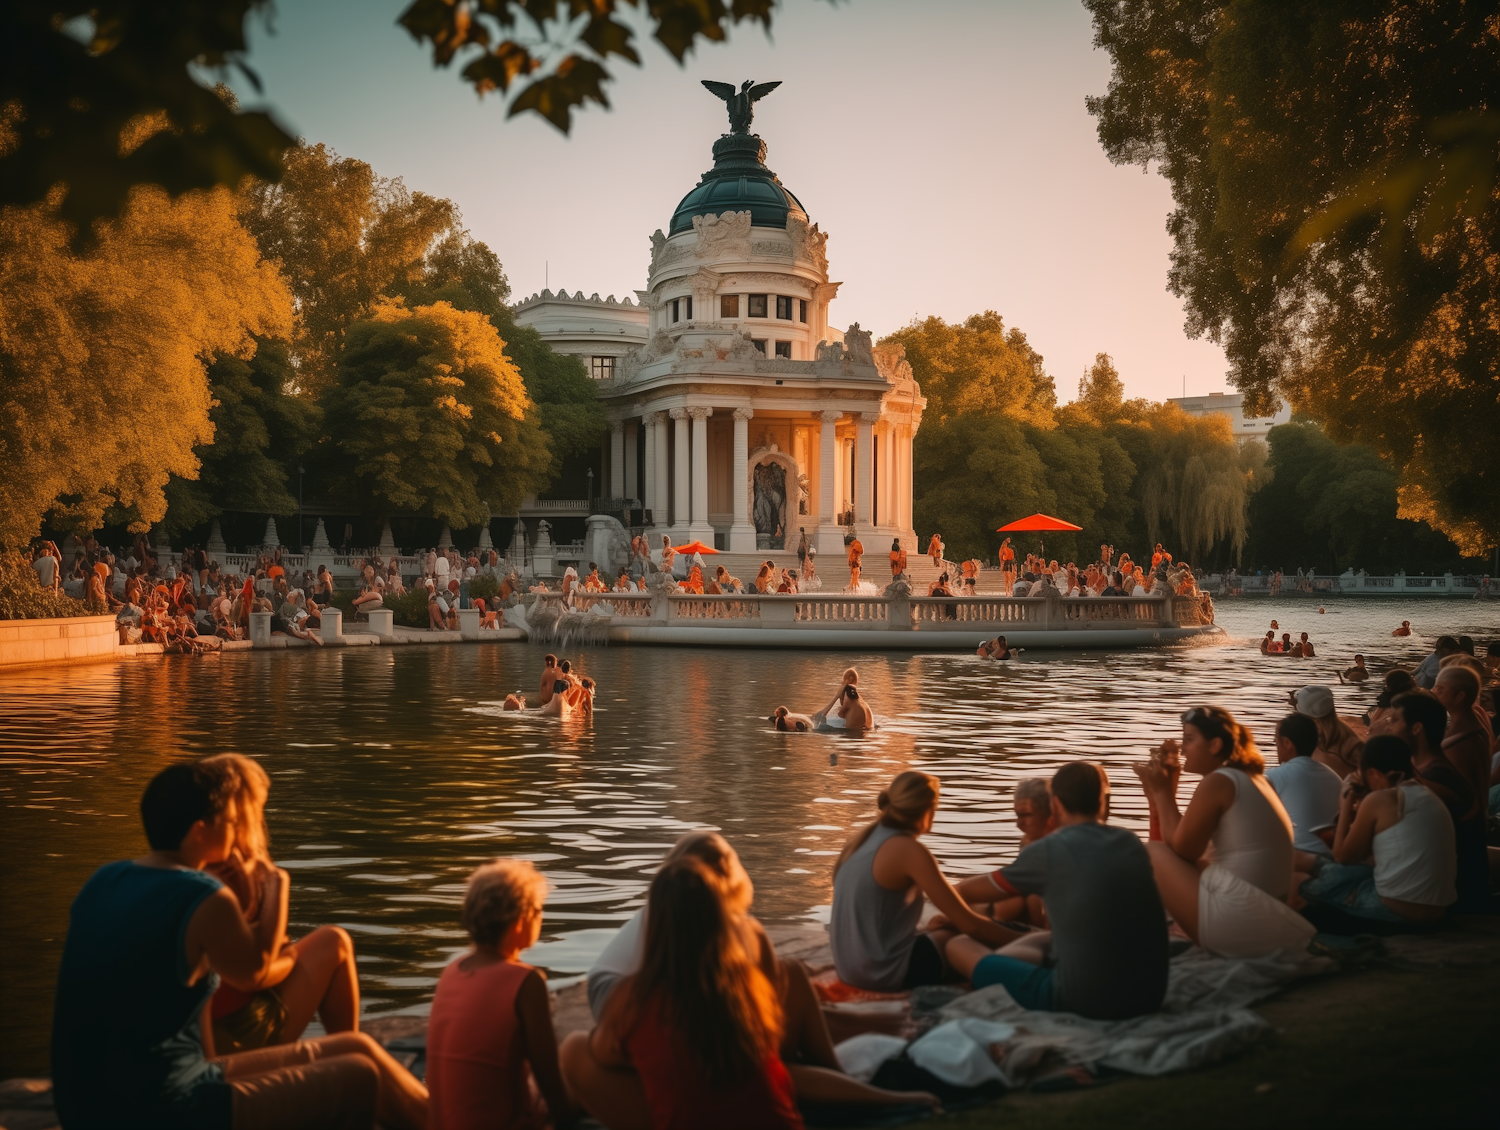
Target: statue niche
(769,512)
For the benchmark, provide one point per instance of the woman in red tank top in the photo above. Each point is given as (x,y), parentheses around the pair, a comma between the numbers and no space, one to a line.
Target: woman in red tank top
(698,1029)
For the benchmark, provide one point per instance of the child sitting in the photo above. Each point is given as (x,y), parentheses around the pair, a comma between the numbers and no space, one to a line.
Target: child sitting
(490,1043)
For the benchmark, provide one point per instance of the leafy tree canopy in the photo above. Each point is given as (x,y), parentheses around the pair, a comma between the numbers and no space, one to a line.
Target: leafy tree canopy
(433,416)
(346,237)
(977,367)
(74,75)
(1334,507)
(261,428)
(102,387)
(1277,126)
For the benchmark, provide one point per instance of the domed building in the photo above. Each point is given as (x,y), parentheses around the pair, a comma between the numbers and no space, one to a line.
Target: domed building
(741,416)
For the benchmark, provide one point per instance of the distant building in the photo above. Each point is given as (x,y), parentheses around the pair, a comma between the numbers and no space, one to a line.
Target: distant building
(1231,404)
(738,415)
(599,331)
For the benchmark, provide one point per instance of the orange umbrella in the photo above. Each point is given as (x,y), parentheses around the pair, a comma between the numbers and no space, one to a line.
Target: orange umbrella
(1037,524)
(693,547)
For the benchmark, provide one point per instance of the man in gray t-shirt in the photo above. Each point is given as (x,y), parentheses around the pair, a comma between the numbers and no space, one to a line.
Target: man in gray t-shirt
(1106,954)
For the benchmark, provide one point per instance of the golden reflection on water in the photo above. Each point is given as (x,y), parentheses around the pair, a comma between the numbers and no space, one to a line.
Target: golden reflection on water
(395,772)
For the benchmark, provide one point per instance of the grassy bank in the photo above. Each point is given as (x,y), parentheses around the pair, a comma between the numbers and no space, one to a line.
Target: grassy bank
(1376,1047)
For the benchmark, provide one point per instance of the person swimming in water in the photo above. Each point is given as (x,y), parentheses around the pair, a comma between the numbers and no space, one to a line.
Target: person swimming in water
(827,716)
(1356,674)
(788,722)
(997,648)
(514,702)
(1404,629)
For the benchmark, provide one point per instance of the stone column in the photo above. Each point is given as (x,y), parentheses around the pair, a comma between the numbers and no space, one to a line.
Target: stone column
(659,472)
(699,527)
(864,444)
(680,455)
(616,459)
(742,533)
(632,488)
(830,538)
(648,422)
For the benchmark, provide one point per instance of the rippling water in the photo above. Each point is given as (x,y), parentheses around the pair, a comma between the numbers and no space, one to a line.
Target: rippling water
(394,772)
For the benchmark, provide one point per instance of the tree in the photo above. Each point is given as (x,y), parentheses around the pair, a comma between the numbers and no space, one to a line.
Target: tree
(977,367)
(102,387)
(260,429)
(1100,390)
(1264,117)
(1329,508)
(74,75)
(433,416)
(1194,484)
(344,237)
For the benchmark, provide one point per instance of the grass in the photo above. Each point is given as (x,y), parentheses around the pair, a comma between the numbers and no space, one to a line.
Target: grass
(1370,1048)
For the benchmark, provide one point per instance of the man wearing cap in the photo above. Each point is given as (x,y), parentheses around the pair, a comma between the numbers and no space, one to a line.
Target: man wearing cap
(1338,744)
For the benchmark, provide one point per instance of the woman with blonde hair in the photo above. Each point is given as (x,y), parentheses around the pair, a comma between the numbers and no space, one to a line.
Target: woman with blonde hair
(1232,900)
(314,975)
(879,884)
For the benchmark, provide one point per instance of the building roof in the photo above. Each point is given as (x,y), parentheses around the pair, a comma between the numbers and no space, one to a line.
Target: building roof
(738,182)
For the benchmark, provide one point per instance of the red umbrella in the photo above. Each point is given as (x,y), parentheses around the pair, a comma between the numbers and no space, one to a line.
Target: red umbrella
(1037,524)
(693,547)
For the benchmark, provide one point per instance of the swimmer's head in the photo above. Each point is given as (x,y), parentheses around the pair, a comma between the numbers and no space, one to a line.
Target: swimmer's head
(566,666)
(588,684)
(549,661)
(781,712)
(851,692)
(851,676)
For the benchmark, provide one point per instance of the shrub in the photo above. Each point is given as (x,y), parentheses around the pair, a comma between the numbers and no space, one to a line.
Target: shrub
(483,588)
(411,609)
(22,598)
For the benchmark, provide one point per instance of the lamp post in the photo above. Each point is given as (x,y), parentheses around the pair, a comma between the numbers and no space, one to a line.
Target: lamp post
(591,490)
(301,470)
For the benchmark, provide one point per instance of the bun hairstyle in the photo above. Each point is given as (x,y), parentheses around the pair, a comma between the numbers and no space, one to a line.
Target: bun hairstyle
(908,800)
(1239,750)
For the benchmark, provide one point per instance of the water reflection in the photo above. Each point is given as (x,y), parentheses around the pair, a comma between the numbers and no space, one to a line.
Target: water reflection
(394,772)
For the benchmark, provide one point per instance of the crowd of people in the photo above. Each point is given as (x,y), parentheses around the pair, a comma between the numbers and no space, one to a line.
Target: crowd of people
(182,1000)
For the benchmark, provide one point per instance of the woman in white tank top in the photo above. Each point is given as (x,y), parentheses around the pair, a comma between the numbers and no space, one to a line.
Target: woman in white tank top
(1223,867)
(1387,814)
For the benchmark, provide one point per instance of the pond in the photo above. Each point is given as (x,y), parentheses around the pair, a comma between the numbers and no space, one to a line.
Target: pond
(393,772)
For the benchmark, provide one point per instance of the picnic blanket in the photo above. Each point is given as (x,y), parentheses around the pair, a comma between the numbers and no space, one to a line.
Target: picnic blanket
(985,1037)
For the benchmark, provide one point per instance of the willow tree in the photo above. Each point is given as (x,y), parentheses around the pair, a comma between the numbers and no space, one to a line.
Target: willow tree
(103,393)
(1193,484)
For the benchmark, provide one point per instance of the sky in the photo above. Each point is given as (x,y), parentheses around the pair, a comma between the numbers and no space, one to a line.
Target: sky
(943,145)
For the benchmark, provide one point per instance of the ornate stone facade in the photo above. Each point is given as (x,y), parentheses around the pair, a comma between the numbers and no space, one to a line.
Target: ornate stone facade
(736,335)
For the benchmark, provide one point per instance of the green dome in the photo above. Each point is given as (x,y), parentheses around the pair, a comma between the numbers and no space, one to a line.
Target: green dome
(738,182)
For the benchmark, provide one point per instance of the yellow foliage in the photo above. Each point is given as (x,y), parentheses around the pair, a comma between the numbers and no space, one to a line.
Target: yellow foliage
(103,392)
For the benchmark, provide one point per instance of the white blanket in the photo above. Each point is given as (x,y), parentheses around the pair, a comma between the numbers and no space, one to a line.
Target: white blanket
(1203,1019)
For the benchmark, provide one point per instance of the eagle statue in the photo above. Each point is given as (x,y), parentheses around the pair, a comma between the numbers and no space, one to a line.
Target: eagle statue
(741,102)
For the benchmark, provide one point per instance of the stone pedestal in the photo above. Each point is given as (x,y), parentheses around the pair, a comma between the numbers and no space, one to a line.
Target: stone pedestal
(446,540)
(215,548)
(260,629)
(271,539)
(468,623)
(485,541)
(333,625)
(387,540)
(543,552)
(383,623)
(321,552)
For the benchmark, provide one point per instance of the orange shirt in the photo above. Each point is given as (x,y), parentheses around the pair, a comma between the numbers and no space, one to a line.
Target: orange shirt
(275,571)
(1007,553)
(856,551)
(935,547)
(898,562)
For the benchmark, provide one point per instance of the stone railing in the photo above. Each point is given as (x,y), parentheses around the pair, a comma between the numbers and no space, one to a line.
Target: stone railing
(1346,583)
(969,614)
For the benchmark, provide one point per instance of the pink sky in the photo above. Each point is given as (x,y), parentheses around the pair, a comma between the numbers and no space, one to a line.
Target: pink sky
(943,145)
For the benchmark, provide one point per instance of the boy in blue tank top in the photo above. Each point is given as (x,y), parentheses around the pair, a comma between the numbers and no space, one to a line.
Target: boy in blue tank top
(148,941)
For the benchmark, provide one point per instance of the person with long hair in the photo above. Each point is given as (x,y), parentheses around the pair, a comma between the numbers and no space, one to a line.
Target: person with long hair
(879,885)
(699,1026)
(1231,901)
(806,1046)
(314,975)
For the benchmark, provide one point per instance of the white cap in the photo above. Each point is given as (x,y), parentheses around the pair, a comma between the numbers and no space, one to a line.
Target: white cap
(1315,702)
